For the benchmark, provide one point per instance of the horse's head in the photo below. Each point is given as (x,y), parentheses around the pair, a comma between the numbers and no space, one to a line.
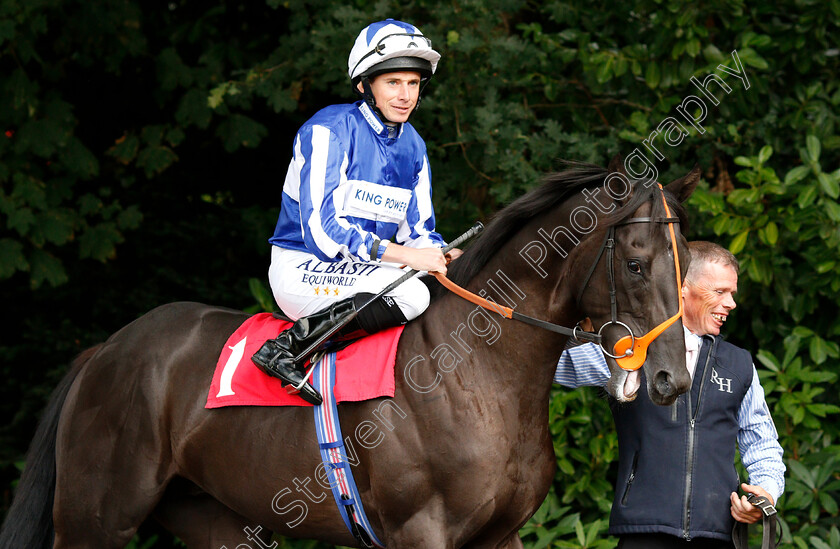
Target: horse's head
(632,295)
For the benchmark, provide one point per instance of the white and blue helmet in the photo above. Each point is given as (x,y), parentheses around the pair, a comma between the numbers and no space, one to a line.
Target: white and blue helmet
(391,46)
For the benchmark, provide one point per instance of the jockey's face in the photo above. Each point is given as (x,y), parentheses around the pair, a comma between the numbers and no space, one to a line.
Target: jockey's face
(709,298)
(396,94)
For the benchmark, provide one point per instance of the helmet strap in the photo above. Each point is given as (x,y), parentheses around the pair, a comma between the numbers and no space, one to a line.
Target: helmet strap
(367,95)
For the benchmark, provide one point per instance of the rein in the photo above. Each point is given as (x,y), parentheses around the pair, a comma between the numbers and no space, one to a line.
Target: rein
(509,313)
(630,351)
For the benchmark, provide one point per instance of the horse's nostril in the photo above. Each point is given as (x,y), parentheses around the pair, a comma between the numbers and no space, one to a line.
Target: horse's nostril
(663,384)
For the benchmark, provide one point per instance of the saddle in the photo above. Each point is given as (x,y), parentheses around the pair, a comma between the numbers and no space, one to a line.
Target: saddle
(365,368)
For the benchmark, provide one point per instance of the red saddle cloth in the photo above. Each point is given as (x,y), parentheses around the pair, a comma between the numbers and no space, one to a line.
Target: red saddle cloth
(364,370)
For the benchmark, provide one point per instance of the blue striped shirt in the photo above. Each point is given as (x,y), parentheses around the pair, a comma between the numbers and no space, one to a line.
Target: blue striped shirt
(758,442)
(351,188)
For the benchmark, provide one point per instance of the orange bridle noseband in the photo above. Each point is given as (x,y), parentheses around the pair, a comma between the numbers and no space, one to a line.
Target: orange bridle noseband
(631,352)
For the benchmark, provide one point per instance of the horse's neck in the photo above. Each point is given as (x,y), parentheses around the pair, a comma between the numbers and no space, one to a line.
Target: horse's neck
(503,354)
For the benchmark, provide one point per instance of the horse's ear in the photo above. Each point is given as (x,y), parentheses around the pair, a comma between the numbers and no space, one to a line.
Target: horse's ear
(684,186)
(617,165)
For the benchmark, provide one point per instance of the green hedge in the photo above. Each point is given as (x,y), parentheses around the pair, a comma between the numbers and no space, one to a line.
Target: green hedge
(111,108)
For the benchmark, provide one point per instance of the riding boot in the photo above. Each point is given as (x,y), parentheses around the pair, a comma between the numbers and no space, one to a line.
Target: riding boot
(277,356)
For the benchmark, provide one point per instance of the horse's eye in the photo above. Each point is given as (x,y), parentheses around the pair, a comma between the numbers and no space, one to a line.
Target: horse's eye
(634,266)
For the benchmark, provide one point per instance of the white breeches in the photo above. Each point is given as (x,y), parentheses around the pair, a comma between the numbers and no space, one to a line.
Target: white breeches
(303,284)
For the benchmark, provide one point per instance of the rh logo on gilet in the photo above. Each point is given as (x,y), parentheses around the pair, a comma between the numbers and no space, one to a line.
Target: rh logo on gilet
(724,383)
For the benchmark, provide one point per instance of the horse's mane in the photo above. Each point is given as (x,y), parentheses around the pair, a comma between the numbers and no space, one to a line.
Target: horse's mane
(555,189)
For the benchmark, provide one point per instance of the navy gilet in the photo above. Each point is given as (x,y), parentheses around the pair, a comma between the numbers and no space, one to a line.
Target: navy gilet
(676,463)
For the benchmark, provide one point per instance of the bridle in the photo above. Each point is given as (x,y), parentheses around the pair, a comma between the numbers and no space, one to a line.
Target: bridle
(630,351)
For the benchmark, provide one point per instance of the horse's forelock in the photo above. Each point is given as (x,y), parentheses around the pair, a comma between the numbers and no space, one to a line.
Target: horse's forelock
(643,193)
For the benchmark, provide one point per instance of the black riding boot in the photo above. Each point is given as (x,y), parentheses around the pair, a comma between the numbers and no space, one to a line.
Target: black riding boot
(277,356)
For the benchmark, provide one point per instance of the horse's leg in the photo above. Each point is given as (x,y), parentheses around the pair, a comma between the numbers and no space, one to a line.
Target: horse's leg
(201,521)
(112,463)
(101,507)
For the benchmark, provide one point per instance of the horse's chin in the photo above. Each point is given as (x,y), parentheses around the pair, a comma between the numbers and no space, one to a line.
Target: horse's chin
(624,385)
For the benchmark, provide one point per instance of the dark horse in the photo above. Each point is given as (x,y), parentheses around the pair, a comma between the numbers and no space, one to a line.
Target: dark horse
(460,457)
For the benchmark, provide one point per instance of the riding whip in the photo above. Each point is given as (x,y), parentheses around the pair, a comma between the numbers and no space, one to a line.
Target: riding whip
(473,231)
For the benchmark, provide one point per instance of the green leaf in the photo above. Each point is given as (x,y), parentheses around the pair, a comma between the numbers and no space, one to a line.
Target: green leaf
(807,196)
(825,266)
(56,226)
(544,538)
(129,218)
(738,242)
(285,99)
(797,174)
(172,72)
(125,148)
(813,145)
(832,209)
(30,191)
(241,131)
(21,220)
(579,532)
(829,185)
(261,294)
(692,48)
(175,136)
(217,95)
(720,224)
(79,160)
(713,55)
(155,159)
(801,472)
(88,204)
(194,110)
(817,543)
(817,350)
(764,154)
(592,534)
(751,58)
(771,232)
(44,267)
(652,75)
(768,360)
(99,242)
(602,74)
(11,258)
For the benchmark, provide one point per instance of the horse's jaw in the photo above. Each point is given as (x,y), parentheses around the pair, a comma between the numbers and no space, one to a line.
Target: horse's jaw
(624,385)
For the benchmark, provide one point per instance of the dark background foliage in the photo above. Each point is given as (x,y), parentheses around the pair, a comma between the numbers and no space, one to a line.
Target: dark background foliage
(145,145)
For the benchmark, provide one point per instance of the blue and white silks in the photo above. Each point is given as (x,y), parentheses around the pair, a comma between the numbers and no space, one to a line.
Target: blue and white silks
(349,185)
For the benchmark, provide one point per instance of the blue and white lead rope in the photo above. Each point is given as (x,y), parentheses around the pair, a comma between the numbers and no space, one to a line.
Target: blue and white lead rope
(333,454)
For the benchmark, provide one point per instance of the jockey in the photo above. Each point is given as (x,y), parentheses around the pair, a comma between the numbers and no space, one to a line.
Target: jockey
(356,205)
